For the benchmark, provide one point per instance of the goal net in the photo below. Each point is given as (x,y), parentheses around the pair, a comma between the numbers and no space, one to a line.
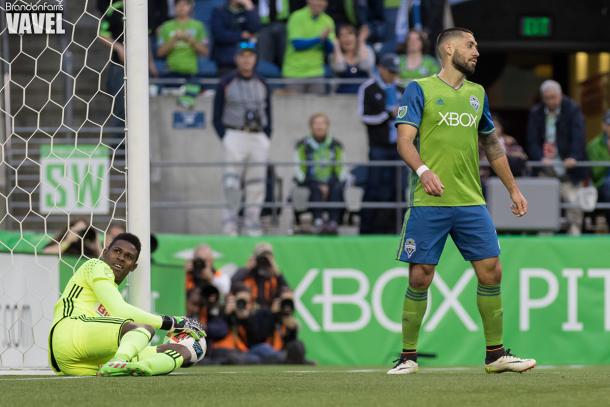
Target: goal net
(62,157)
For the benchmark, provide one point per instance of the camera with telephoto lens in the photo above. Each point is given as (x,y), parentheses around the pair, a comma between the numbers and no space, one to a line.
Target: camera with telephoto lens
(252,120)
(199,265)
(210,299)
(287,306)
(263,262)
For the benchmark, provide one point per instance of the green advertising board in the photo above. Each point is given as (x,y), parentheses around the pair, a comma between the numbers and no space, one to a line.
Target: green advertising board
(349,293)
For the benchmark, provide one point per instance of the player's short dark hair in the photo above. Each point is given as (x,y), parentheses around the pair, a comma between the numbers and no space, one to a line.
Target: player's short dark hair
(128,237)
(447,34)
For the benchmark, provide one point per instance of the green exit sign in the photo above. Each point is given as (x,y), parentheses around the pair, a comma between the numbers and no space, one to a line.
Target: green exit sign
(535,27)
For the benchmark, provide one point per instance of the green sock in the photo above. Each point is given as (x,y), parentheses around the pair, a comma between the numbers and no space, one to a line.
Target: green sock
(413,310)
(132,343)
(163,363)
(489,302)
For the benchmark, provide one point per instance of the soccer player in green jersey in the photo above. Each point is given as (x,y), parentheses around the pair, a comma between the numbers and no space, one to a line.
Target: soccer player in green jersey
(440,122)
(95,331)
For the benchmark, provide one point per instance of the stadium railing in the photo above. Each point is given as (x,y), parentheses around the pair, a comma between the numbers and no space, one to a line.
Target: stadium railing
(389,204)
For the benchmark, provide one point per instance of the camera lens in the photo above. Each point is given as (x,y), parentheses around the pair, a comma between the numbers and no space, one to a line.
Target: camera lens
(287,306)
(198,264)
(240,304)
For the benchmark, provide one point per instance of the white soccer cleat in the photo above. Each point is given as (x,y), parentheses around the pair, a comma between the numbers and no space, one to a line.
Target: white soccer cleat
(510,363)
(404,366)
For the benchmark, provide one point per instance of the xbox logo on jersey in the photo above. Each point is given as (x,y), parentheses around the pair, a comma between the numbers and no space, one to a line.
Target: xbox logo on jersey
(42,18)
(454,119)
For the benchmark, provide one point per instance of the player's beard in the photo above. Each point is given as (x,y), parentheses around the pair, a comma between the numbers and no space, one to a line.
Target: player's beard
(460,63)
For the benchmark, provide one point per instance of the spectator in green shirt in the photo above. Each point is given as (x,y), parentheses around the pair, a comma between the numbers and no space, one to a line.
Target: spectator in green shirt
(415,63)
(598,149)
(311,35)
(181,40)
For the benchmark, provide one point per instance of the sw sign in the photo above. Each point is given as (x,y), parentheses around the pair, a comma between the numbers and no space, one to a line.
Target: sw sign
(74,180)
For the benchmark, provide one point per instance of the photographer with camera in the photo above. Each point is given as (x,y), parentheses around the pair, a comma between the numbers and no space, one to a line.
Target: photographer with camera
(286,330)
(250,334)
(204,304)
(262,276)
(242,119)
(200,272)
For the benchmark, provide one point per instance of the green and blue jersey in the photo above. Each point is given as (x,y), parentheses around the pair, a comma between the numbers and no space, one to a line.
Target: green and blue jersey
(449,122)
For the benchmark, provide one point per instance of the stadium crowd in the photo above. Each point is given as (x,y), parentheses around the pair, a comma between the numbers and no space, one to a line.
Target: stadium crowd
(381,45)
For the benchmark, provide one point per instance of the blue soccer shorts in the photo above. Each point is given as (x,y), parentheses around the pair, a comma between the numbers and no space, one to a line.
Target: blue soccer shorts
(425,231)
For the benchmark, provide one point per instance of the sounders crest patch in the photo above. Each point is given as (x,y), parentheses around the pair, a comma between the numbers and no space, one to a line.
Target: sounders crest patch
(410,247)
(402,111)
(474,102)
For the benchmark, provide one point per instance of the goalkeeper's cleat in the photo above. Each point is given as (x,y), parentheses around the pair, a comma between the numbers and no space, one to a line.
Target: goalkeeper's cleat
(404,366)
(117,367)
(114,367)
(510,363)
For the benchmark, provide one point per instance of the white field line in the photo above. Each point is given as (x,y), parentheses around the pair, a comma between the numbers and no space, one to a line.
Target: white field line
(48,375)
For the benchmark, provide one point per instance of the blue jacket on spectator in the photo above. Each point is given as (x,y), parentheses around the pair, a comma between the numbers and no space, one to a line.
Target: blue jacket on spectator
(227,27)
(570,129)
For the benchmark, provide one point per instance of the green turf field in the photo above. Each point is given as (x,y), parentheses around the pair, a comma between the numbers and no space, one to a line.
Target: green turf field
(317,386)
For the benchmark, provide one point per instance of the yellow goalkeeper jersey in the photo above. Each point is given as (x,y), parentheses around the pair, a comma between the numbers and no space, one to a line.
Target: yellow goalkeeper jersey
(92,292)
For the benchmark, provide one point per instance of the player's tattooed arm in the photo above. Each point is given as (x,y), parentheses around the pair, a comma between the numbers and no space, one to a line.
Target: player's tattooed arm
(492,146)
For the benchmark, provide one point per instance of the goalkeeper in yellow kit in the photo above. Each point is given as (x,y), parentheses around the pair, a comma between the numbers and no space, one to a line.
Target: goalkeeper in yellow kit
(95,331)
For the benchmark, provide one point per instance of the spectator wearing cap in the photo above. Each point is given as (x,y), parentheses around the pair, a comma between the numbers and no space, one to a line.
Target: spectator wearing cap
(556,136)
(263,278)
(311,34)
(598,149)
(242,119)
(232,24)
(377,106)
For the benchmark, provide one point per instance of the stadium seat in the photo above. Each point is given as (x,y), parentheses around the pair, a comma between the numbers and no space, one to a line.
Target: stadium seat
(207,68)
(268,70)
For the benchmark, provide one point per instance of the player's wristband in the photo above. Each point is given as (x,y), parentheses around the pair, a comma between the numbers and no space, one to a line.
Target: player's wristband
(168,322)
(421,170)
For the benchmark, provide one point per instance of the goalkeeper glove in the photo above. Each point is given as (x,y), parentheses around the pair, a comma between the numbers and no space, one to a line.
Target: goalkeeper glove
(183,324)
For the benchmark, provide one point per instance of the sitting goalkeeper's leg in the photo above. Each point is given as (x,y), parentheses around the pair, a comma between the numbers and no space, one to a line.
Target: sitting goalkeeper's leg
(133,339)
(160,360)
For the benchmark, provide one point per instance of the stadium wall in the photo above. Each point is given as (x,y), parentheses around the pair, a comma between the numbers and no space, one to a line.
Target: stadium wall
(203,184)
(349,293)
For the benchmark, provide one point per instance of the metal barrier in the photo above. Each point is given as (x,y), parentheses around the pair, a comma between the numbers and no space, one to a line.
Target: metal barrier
(399,204)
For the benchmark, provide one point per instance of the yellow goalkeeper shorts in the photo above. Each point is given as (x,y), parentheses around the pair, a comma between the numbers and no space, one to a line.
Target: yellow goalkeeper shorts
(80,345)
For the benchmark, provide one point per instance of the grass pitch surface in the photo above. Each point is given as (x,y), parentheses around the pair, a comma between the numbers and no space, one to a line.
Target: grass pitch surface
(317,386)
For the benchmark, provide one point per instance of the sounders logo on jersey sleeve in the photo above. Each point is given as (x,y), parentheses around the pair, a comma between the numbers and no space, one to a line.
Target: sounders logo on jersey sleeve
(454,119)
(40,18)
